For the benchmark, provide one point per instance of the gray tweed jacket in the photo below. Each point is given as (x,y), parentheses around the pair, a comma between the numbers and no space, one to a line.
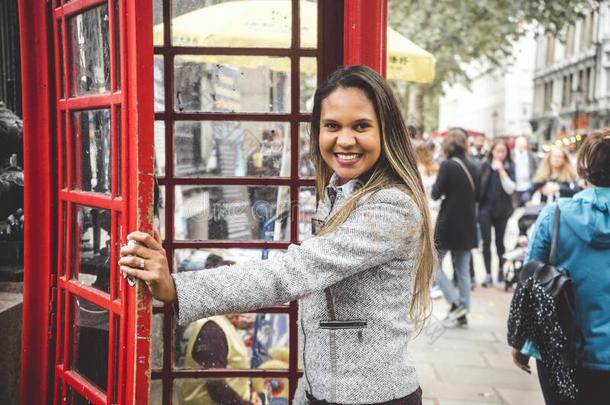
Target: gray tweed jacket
(354,288)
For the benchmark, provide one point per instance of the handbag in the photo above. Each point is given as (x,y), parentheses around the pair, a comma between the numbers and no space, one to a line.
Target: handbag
(545,300)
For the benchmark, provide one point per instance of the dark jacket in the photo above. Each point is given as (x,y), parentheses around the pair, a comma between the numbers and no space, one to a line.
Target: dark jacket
(456,226)
(566,189)
(493,200)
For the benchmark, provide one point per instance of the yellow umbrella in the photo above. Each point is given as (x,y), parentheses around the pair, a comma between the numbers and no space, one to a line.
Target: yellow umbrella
(267,23)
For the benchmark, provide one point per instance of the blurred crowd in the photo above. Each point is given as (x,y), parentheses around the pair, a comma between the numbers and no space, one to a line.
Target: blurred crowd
(474,185)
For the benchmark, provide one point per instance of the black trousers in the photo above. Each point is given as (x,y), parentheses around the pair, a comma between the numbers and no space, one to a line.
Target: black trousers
(486,221)
(414,398)
(593,387)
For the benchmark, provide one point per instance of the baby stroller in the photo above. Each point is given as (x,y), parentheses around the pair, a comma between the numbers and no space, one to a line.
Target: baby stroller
(513,259)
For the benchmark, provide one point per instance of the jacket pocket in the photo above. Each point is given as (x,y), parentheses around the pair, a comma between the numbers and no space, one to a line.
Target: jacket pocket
(349,324)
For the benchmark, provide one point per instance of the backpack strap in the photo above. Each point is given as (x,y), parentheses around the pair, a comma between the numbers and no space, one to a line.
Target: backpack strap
(553,252)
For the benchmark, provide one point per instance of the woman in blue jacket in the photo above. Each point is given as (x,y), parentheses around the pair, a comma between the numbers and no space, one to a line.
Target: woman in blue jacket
(584,250)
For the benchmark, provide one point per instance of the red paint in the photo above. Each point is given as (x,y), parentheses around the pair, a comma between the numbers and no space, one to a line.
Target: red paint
(365,34)
(38,199)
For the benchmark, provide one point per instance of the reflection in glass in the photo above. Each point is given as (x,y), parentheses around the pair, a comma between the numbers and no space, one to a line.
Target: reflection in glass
(232,213)
(309,23)
(159,80)
(91,252)
(156,393)
(307,207)
(198,259)
(309,79)
(160,212)
(90,341)
(156,336)
(159,129)
(213,83)
(231,24)
(231,148)
(64,152)
(119,124)
(90,52)
(271,390)
(306,167)
(253,339)
(117,45)
(117,350)
(91,167)
(158,19)
(60,44)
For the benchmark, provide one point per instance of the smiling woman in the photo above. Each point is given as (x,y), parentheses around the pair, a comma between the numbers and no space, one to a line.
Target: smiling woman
(362,281)
(350,141)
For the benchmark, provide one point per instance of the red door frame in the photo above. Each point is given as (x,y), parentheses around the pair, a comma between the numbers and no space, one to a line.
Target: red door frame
(365,23)
(365,34)
(43,168)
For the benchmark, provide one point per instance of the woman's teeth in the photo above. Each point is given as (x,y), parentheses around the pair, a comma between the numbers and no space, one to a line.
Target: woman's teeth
(348,157)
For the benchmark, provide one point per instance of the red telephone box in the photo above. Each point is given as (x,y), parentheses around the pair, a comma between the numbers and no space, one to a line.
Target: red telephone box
(117,93)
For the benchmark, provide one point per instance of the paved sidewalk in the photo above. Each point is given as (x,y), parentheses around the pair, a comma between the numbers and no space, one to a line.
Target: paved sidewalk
(474,365)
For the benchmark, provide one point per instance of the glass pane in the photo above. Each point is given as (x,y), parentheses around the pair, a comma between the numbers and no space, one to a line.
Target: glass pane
(64,236)
(272,391)
(156,393)
(161,212)
(158,22)
(117,350)
(231,148)
(232,24)
(309,23)
(119,140)
(64,152)
(60,43)
(307,207)
(160,148)
(156,335)
(91,163)
(199,259)
(90,341)
(232,213)
(61,323)
(252,340)
(159,82)
(309,69)
(117,45)
(306,167)
(91,251)
(90,52)
(216,83)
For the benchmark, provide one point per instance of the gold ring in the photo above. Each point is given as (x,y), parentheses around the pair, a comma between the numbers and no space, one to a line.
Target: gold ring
(141,263)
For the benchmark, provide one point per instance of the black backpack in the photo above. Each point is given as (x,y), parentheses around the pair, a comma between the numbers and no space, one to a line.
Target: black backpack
(542,310)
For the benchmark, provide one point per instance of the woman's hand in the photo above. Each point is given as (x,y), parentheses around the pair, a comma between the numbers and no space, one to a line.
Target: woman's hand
(521,361)
(147,261)
(498,165)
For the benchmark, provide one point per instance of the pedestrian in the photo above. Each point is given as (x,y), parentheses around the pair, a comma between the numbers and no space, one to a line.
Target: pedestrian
(555,177)
(428,170)
(583,250)
(495,203)
(456,230)
(525,168)
(362,281)
(479,149)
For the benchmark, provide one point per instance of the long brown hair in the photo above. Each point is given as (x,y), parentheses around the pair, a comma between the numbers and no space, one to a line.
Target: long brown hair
(395,166)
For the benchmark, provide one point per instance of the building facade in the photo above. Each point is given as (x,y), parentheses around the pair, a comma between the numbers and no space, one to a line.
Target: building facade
(497,102)
(572,78)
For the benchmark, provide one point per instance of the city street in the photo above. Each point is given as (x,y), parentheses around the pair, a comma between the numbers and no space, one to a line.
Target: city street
(474,365)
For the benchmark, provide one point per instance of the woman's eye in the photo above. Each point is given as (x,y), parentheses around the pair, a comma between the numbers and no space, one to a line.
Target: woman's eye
(330,125)
(361,126)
